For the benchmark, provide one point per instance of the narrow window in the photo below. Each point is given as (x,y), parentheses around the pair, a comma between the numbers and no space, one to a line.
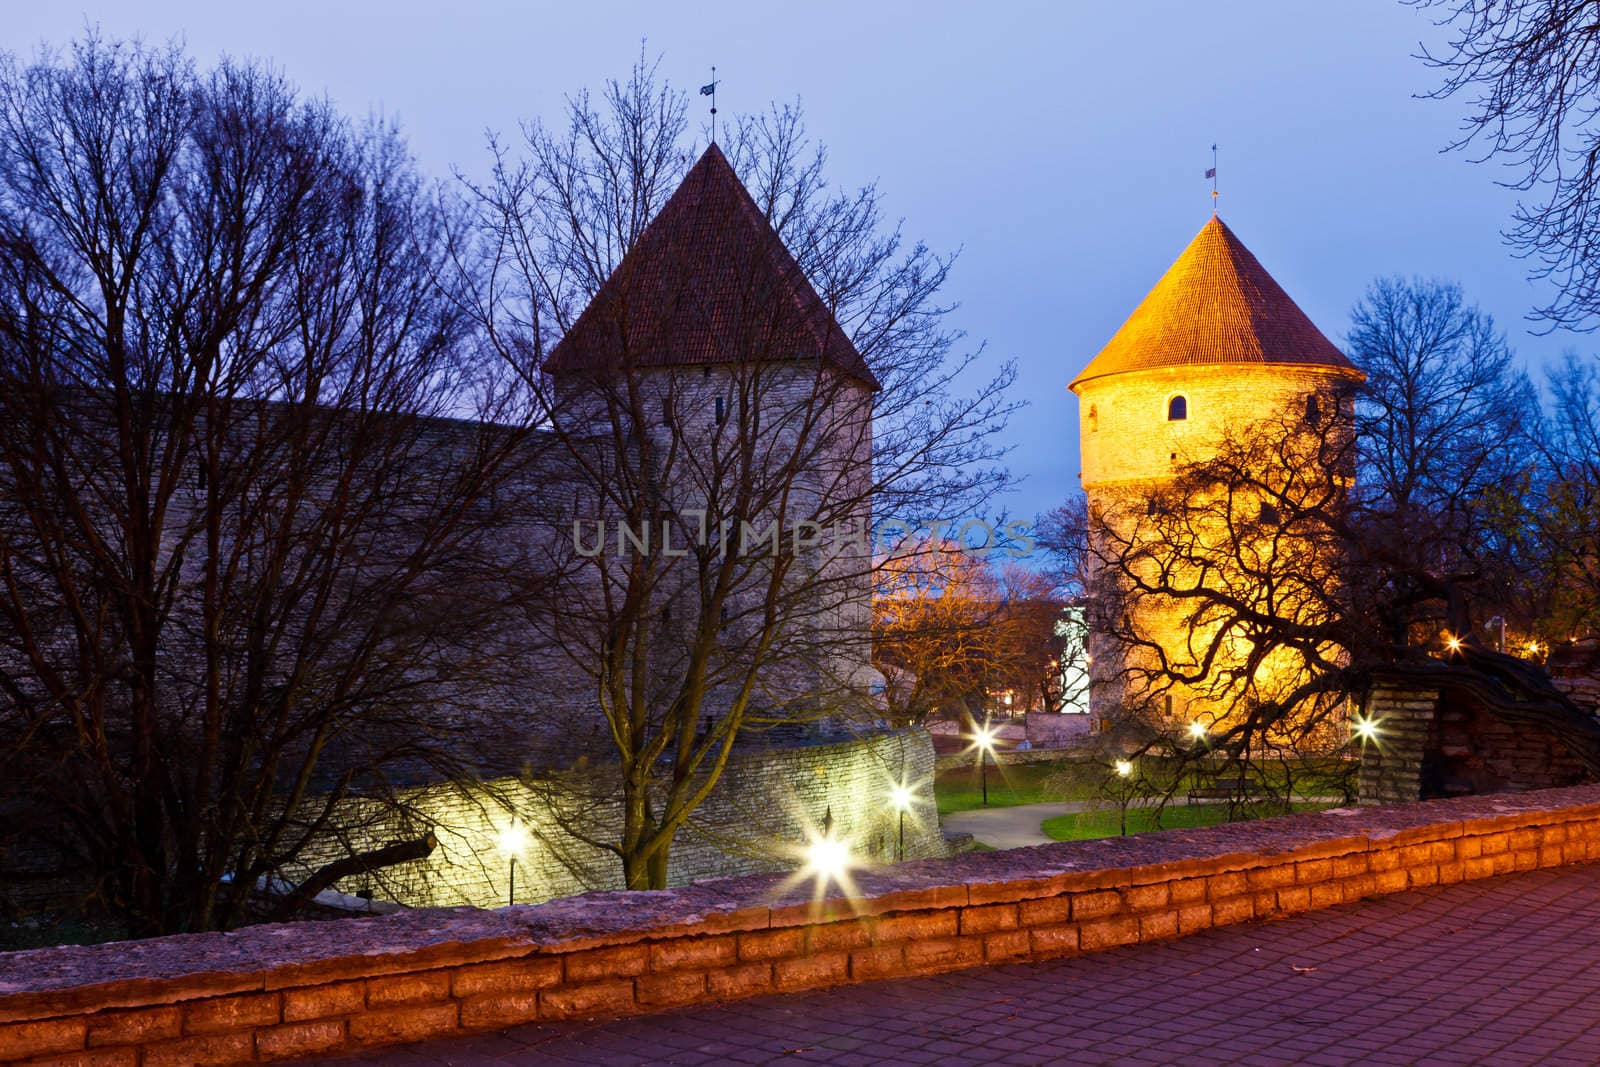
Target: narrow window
(1177,409)
(666,411)
(1269,515)
(1094,418)
(722,410)
(1313,410)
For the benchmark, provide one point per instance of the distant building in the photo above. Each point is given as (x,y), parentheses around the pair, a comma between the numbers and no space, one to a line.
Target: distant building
(1217,345)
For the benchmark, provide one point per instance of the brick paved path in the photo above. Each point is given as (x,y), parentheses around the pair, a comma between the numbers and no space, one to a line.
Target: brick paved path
(1502,971)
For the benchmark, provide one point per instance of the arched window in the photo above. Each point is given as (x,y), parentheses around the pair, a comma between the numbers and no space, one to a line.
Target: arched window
(1177,409)
(1094,418)
(1313,410)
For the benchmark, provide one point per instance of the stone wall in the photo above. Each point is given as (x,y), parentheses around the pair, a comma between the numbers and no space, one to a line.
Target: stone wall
(1049,729)
(1130,450)
(755,820)
(1430,745)
(299,990)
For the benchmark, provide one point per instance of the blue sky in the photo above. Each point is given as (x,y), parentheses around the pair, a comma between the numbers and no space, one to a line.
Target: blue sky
(1060,146)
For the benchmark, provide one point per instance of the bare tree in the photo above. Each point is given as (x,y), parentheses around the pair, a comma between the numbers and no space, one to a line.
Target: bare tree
(248,555)
(1566,502)
(712,385)
(1531,69)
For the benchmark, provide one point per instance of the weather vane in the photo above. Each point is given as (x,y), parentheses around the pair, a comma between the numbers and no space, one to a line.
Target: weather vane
(1212,173)
(711,91)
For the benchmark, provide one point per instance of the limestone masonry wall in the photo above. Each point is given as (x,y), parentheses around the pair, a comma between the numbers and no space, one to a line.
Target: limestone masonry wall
(299,990)
(752,822)
(1430,746)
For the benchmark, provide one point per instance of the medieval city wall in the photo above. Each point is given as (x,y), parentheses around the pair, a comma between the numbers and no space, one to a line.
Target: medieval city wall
(764,809)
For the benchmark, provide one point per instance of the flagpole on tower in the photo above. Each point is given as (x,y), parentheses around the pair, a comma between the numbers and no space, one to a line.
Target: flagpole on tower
(711,91)
(1212,174)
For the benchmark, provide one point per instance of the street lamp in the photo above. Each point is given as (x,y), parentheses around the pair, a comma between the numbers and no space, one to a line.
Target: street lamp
(512,842)
(1197,730)
(827,859)
(1124,771)
(900,797)
(983,741)
(1365,729)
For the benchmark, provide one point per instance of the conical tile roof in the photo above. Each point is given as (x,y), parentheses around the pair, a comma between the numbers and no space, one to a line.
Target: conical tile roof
(1215,305)
(707,282)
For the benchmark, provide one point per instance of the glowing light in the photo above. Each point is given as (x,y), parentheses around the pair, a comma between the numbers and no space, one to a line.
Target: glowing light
(1197,730)
(1453,644)
(1123,768)
(983,737)
(513,841)
(828,859)
(900,796)
(1364,729)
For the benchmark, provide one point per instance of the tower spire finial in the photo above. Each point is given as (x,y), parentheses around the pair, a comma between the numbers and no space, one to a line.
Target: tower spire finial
(711,91)
(1212,174)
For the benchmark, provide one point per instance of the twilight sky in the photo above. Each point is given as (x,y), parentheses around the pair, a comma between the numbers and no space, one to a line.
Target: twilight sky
(1059,145)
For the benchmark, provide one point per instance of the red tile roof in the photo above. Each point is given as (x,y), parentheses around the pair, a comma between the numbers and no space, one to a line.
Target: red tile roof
(1216,304)
(707,282)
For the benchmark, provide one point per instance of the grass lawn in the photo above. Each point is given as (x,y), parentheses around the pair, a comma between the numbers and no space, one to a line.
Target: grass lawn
(1104,822)
(960,789)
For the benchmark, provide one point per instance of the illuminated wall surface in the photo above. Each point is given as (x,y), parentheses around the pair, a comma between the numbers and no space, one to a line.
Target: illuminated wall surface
(1216,348)
(754,821)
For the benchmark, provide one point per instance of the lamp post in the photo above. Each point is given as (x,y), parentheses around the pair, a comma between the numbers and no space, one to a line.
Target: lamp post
(1124,771)
(983,741)
(900,797)
(512,842)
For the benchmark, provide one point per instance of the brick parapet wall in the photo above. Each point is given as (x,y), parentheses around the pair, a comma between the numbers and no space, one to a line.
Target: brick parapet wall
(296,990)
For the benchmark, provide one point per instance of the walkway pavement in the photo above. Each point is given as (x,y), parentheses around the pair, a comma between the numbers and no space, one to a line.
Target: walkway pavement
(1504,971)
(1013,827)
(1018,826)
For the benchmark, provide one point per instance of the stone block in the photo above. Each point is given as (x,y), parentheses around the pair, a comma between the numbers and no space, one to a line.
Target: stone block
(409,1022)
(587,1001)
(745,980)
(494,1011)
(693,953)
(772,944)
(1146,897)
(670,989)
(811,972)
(298,1040)
(223,1014)
(1006,945)
(1098,934)
(1232,910)
(917,926)
(507,976)
(833,937)
(395,989)
(19,1041)
(943,954)
(138,1027)
(989,918)
(1052,942)
(1046,911)
(212,1050)
(598,965)
(880,961)
(1096,904)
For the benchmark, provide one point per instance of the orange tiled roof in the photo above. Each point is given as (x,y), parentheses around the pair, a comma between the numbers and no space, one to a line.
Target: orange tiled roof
(1216,304)
(708,281)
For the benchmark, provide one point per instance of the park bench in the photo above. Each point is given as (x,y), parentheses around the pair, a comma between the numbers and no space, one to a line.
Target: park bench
(1224,789)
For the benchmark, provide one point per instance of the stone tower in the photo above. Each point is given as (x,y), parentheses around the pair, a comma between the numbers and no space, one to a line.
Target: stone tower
(1216,345)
